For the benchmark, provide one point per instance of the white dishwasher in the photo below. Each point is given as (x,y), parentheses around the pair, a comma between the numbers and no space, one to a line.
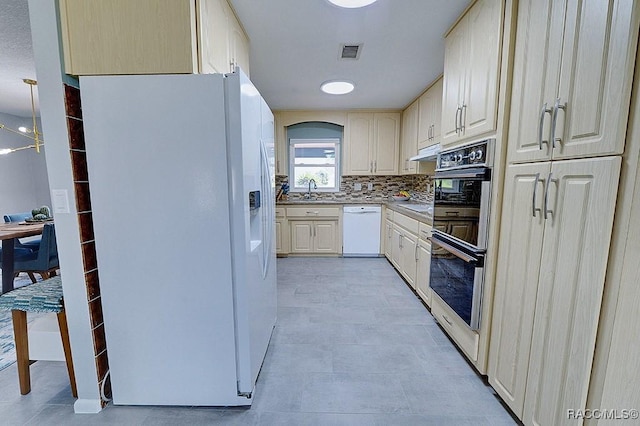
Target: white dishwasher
(361,231)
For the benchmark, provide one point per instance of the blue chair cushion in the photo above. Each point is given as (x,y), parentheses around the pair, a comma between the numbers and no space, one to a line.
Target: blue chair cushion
(43,296)
(21,254)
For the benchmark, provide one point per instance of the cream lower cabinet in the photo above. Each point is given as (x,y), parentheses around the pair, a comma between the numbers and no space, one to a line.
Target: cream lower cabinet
(314,237)
(282,232)
(555,232)
(423,265)
(404,245)
(315,230)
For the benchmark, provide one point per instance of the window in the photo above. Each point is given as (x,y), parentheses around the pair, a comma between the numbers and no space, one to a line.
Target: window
(317,159)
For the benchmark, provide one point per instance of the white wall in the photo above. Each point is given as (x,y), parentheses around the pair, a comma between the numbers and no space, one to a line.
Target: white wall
(23,175)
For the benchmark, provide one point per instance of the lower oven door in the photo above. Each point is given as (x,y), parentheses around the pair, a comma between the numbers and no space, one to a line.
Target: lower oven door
(457,276)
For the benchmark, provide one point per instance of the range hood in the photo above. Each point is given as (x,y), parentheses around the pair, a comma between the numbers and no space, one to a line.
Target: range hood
(427,154)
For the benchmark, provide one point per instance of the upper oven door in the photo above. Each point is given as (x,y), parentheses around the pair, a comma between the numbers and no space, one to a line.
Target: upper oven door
(461,204)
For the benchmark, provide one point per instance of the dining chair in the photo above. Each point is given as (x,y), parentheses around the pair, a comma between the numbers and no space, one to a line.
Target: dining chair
(44,261)
(31,242)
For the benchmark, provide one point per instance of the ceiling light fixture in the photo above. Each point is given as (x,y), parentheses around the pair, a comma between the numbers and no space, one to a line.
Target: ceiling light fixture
(23,131)
(352,4)
(337,87)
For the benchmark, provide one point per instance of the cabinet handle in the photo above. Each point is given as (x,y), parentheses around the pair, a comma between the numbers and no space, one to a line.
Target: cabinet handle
(375,166)
(400,243)
(278,166)
(457,112)
(535,190)
(371,167)
(315,231)
(543,111)
(546,196)
(554,121)
(415,252)
(447,319)
(311,231)
(462,108)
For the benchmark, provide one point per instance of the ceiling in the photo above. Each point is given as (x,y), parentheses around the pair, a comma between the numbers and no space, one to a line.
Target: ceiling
(295,46)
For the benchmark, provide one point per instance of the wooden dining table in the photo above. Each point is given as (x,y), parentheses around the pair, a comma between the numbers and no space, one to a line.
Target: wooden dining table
(9,232)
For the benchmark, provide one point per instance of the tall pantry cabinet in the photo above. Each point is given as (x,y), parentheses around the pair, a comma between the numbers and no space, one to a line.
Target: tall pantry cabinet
(572,77)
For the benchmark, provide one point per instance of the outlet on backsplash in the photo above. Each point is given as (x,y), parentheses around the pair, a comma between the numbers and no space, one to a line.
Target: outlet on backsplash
(357,186)
(370,186)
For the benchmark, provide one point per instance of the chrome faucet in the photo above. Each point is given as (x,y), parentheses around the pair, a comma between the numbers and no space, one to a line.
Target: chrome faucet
(308,194)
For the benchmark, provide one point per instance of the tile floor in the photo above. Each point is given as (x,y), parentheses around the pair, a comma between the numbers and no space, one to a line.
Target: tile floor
(353,346)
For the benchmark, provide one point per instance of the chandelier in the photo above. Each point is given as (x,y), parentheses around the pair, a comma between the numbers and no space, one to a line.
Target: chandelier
(23,131)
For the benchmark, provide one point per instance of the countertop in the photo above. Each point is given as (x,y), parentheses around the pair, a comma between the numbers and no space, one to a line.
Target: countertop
(398,206)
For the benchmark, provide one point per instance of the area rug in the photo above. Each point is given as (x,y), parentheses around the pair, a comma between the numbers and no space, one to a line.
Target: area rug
(7,347)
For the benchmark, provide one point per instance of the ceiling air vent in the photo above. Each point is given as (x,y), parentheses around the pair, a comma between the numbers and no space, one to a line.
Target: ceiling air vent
(350,51)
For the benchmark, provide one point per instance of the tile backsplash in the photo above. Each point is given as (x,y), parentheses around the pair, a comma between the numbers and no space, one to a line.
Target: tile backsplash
(419,186)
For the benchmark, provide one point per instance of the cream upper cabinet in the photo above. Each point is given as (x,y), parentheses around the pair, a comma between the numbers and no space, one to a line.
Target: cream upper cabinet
(282,165)
(572,76)
(214,36)
(358,141)
(371,143)
(430,115)
(151,37)
(555,234)
(471,73)
(386,139)
(238,47)
(409,141)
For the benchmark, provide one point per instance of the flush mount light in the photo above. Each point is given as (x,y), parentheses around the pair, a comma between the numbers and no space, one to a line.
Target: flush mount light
(352,4)
(337,87)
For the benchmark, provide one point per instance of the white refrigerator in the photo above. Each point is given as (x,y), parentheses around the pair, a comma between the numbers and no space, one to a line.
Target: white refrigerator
(182,193)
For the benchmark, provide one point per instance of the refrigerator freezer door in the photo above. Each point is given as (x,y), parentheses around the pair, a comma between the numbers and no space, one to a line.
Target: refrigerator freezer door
(157,160)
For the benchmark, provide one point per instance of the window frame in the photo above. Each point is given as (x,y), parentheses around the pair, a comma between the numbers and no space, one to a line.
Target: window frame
(292,165)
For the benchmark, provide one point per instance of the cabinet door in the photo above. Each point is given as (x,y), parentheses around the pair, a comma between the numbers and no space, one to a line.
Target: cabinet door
(480,107)
(409,257)
(436,130)
(520,251)
(396,247)
(325,236)
(388,229)
(423,268)
(282,165)
(301,236)
(238,46)
(455,48)
(357,140)
(426,106)
(598,59)
(386,143)
(582,198)
(213,36)
(409,145)
(537,58)
(278,232)
(129,37)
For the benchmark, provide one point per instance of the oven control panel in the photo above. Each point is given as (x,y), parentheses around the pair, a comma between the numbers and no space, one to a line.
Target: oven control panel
(475,155)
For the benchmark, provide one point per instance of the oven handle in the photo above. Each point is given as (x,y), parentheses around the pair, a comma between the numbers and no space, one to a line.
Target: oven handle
(479,173)
(476,261)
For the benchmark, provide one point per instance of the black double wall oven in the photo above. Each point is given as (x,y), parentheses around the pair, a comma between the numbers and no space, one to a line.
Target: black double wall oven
(460,228)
